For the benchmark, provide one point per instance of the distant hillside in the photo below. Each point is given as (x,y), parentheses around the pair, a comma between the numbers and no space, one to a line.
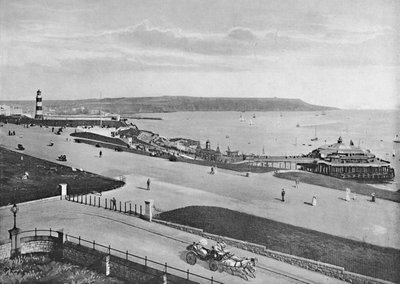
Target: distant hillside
(170,104)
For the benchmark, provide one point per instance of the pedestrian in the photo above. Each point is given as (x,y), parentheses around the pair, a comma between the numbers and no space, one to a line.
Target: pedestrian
(373,197)
(114,203)
(314,201)
(148,184)
(347,198)
(283,195)
(297,183)
(100,154)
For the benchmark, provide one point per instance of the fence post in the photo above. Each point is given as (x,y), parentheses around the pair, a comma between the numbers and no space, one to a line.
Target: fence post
(35,232)
(140,210)
(94,201)
(109,249)
(126,255)
(94,245)
(50,232)
(79,240)
(81,199)
(125,208)
(130,208)
(105,204)
(135,210)
(90,200)
(99,201)
(85,199)
(187,274)
(120,207)
(145,260)
(165,267)
(212,279)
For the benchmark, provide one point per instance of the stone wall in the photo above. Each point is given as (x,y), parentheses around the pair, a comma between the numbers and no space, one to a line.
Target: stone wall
(324,268)
(37,244)
(5,249)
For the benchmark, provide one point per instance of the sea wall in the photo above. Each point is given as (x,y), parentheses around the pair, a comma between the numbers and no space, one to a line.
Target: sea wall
(321,267)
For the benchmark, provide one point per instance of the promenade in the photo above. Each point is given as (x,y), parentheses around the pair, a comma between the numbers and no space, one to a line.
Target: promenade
(176,185)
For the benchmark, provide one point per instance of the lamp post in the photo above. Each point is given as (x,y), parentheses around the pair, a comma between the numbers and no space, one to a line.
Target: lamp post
(15,210)
(14,234)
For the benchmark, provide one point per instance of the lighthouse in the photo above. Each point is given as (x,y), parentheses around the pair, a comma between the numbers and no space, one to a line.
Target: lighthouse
(39,107)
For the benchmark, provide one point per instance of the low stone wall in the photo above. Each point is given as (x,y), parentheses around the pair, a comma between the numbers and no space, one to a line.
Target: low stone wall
(38,244)
(5,249)
(321,267)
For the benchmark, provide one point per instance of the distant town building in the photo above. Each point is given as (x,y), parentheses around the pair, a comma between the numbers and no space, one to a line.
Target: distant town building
(348,161)
(5,110)
(208,154)
(39,106)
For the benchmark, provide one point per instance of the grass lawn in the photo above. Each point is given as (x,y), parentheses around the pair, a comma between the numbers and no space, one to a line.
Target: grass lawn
(43,179)
(340,184)
(354,256)
(42,269)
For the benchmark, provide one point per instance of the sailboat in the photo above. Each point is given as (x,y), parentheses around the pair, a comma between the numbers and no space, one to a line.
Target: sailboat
(315,136)
(396,139)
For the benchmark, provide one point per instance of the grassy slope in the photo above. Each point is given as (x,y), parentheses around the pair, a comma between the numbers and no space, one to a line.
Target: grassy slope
(44,177)
(42,269)
(355,256)
(340,184)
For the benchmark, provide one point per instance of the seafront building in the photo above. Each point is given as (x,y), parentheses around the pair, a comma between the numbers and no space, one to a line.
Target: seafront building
(348,161)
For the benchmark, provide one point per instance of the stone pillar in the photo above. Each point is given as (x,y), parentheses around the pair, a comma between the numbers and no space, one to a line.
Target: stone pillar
(63,189)
(148,210)
(107,265)
(15,242)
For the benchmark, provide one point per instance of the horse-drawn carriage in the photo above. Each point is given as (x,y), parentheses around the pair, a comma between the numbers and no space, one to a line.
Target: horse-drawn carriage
(62,158)
(220,258)
(20,147)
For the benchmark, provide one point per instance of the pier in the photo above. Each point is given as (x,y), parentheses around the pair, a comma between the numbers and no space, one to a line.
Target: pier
(281,162)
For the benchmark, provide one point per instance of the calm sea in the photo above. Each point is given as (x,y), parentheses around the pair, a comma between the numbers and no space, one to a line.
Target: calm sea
(285,133)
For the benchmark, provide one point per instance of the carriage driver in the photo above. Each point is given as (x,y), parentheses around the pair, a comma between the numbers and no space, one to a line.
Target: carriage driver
(220,248)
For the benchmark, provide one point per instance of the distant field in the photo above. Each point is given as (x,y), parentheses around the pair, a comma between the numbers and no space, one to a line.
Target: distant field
(43,179)
(354,256)
(340,184)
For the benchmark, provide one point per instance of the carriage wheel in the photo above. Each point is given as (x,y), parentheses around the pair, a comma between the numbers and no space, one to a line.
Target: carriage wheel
(213,265)
(191,258)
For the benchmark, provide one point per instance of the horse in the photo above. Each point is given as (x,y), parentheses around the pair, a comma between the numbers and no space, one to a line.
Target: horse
(244,266)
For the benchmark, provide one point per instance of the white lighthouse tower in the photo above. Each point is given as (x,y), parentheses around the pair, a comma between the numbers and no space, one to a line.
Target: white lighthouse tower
(39,107)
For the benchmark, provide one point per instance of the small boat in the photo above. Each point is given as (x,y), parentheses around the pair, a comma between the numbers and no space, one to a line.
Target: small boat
(315,135)
(254,115)
(323,113)
(396,139)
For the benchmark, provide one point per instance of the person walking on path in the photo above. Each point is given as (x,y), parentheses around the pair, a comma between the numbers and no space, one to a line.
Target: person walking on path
(283,195)
(114,203)
(297,183)
(100,154)
(148,184)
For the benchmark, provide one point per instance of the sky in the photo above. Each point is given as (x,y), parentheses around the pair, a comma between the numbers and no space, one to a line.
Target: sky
(341,53)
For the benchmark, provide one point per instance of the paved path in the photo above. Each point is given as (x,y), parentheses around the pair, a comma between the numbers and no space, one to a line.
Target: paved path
(139,237)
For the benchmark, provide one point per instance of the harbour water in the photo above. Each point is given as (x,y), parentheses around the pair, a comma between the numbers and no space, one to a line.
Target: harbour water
(285,133)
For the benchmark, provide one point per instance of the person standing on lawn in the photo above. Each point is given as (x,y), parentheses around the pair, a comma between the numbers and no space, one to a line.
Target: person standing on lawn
(283,195)
(148,184)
